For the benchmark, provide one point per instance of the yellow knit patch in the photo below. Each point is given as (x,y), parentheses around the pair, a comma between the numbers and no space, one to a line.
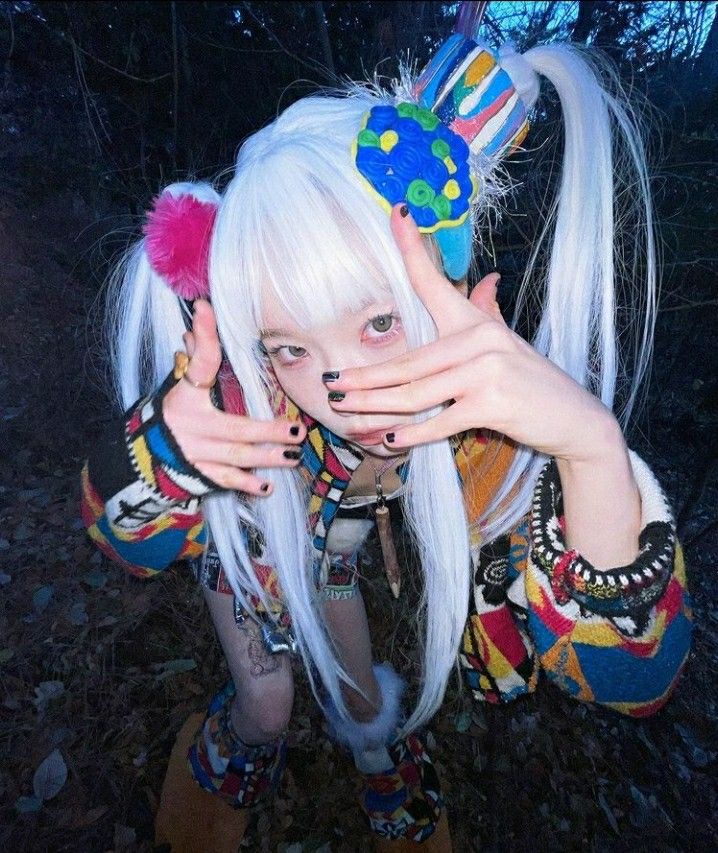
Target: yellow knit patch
(388,140)
(315,439)
(144,460)
(603,635)
(450,165)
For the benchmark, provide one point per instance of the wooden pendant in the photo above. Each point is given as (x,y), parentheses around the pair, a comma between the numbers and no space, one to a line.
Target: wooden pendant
(388,549)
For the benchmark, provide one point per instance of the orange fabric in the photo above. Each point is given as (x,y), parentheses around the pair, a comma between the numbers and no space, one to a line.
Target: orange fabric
(190,819)
(483,460)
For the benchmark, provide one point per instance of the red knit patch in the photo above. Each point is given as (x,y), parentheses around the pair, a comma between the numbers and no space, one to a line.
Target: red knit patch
(168,487)
(504,634)
(558,578)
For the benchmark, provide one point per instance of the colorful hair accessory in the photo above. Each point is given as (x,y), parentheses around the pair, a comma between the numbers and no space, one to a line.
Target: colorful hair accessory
(177,233)
(467,106)
(406,154)
(467,89)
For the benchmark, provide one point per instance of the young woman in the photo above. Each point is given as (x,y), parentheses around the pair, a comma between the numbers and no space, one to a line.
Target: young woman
(332,360)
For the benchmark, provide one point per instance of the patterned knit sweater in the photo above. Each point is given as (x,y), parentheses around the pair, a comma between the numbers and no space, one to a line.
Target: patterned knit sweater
(617,637)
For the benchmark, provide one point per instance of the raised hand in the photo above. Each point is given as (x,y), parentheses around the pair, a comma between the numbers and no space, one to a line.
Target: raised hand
(487,374)
(222,446)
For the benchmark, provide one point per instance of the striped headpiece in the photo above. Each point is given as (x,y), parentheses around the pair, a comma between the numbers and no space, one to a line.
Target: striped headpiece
(467,89)
(429,153)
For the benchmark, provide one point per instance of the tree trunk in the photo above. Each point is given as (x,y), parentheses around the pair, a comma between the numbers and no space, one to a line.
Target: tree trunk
(707,62)
(584,22)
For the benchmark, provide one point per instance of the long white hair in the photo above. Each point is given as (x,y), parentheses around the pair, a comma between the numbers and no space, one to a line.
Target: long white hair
(296,218)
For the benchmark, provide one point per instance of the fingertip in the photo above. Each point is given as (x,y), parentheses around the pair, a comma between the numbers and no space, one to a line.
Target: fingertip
(203,311)
(409,237)
(401,219)
(296,431)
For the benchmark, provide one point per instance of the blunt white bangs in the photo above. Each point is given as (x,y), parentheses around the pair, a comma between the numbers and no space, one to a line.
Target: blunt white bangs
(326,250)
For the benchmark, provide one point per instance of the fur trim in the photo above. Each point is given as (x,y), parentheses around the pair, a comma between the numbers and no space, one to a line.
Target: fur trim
(382,729)
(178,232)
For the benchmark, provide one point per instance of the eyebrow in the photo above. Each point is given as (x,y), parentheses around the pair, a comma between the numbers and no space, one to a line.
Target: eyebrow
(273,333)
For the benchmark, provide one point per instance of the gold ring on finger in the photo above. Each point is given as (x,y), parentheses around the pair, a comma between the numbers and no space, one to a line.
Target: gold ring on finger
(181,366)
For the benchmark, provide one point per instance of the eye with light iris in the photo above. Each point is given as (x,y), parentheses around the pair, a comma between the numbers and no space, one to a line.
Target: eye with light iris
(287,354)
(382,329)
(382,323)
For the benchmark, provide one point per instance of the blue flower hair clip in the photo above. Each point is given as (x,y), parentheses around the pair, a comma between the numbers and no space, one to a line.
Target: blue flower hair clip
(421,153)
(406,154)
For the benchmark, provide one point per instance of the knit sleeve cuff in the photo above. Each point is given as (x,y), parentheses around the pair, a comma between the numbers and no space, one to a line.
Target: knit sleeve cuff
(155,455)
(616,592)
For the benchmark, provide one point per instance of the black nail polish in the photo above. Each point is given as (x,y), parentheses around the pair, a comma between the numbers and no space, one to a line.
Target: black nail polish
(330,376)
(390,436)
(292,454)
(264,487)
(336,396)
(404,210)
(294,430)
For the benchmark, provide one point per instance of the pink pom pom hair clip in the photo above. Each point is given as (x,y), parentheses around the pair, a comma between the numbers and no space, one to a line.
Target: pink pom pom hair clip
(177,233)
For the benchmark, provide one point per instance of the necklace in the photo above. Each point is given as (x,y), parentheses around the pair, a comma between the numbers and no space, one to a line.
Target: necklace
(383,526)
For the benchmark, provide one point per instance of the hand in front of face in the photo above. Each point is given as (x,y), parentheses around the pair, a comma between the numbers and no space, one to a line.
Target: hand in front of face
(223,447)
(488,375)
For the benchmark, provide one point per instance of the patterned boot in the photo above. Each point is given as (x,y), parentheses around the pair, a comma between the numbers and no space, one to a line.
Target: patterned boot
(193,819)
(404,801)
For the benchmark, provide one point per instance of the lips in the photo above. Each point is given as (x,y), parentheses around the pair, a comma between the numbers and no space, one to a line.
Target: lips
(369,438)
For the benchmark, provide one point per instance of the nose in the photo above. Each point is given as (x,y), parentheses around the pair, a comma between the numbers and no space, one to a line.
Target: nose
(337,356)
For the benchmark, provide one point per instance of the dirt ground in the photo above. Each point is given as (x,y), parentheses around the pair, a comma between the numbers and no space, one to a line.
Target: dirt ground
(105,668)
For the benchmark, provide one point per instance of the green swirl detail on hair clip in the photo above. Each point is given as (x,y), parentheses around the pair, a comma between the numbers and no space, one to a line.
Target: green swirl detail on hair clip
(405,153)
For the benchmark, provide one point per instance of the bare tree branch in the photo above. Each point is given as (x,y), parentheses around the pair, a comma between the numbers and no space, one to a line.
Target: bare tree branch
(324,35)
(119,70)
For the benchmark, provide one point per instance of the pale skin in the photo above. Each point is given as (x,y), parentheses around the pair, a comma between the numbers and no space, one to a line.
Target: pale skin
(489,377)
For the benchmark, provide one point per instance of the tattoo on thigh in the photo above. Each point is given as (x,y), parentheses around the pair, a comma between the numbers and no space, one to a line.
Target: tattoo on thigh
(261,661)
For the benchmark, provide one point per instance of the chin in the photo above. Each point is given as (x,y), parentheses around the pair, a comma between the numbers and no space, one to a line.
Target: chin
(379,450)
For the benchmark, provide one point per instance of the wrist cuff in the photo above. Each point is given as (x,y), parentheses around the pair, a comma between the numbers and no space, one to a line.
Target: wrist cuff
(156,457)
(609,592)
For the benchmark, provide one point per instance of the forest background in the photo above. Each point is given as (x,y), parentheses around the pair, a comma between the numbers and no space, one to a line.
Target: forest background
(101,104)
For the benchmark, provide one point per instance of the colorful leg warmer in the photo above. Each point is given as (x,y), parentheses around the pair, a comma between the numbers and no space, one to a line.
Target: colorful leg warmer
(401,797)
(405,800)
(224,765)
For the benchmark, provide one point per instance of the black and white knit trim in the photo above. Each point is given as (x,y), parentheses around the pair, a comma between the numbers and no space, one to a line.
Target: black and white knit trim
(620,591)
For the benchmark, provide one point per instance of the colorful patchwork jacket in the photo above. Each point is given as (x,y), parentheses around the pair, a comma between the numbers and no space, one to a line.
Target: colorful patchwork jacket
(616,637)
